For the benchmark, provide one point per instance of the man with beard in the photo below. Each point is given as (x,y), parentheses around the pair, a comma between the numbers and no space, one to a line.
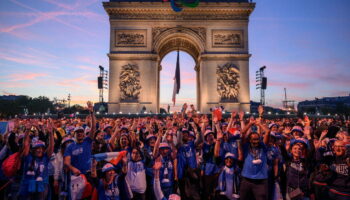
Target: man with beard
(77,155)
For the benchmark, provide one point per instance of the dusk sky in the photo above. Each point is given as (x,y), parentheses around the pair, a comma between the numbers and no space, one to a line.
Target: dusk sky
(54,47)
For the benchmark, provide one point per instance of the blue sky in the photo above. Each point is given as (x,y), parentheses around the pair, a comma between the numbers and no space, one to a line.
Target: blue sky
(53,48)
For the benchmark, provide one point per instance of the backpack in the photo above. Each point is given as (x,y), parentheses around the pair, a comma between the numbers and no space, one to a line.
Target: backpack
(11,165)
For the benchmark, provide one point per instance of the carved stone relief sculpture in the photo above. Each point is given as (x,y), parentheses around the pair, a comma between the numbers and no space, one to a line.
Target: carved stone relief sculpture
(130,38)
(129,85)
(228,82)
(227,38)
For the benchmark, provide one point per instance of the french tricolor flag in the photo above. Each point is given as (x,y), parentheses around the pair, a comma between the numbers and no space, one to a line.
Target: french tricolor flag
(176,78)
(111,157)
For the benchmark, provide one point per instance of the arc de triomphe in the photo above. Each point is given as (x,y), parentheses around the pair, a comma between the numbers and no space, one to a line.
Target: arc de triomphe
(215,34)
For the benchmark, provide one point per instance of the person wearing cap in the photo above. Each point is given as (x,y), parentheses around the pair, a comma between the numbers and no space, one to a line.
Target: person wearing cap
(77,155)
(111,186)
(107,132)
(228,179)
(209,168)
(230,140)
(162,152)
(35,181)
(148,152)
(254,172)
(187,163)
(297,132)
(323,158)
(274,162)
(297,172)
(158,191)
(227,184)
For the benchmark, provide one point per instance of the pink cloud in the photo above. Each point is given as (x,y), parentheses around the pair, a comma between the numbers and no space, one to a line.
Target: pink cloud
(188,74)
(77,82)
(46,16)
(25,76)
(71,6)
(7,93)
(23,57)
(18,26)
(84,67)
(14,84)
(326,71)
(189,81)
(285,84)
(87,60)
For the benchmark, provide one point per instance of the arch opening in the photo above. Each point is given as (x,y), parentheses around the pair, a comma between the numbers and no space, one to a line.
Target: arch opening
(188,76)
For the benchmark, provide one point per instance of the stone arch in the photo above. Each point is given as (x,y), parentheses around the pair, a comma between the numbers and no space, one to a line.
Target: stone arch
(190,40)
(213,33)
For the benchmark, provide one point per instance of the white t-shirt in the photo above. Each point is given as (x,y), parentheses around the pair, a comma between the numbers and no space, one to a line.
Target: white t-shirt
(136,176)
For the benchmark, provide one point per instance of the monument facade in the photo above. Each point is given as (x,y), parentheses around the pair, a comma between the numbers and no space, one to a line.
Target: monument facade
(215,34)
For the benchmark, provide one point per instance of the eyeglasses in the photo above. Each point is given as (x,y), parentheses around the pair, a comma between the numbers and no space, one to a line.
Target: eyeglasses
(338,146)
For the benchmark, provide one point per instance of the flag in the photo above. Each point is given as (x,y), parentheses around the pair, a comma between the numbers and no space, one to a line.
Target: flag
(4,127)
(80,187)
(218,113)
(176,78)
(112,157)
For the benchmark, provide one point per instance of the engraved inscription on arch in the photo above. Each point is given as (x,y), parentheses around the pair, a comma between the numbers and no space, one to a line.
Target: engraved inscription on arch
(130,38)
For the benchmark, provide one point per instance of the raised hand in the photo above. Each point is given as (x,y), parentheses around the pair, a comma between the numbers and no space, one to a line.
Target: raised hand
(307,121)
(287,130)
(251,120)
(89,106)
(157,164)
(233,114)
(258,121)
(261,110)
(241,115)
(215,119)
(324,133)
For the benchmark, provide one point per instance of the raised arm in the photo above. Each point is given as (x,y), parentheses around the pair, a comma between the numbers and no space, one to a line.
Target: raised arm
(307,127)
(218,141)
(50,131)
(240,151)
(156,145)
(232,119)
(157,189)
(115,135)
(26,143)
(246,128)
(241,119)
(93,120)
(265,130)
(199,134)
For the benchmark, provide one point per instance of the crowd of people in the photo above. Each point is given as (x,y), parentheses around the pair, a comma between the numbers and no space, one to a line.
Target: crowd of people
(183,156)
